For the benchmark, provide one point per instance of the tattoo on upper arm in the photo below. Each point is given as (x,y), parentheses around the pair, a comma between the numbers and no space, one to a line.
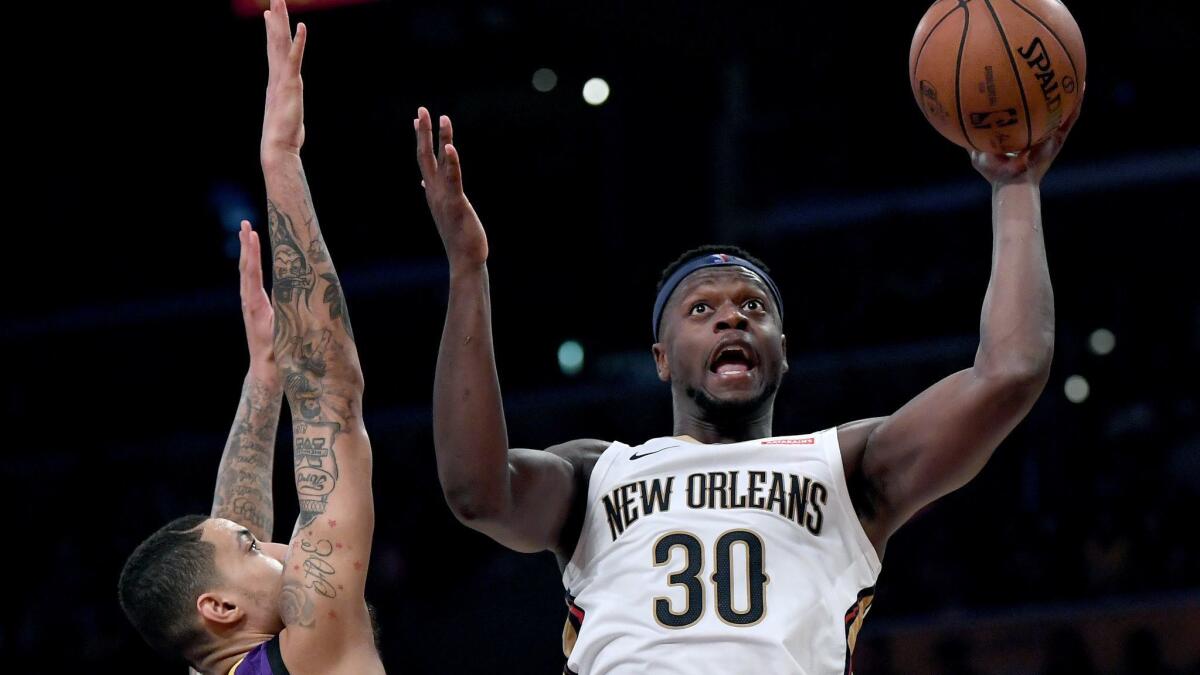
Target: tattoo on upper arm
(316,467)
(295,607)
(317,568)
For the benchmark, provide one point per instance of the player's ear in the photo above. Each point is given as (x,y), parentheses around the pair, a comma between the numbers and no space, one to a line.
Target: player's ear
(783,342)
(661,363)
(218,607)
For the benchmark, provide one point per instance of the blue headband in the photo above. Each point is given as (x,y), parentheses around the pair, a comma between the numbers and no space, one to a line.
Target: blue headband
(712,260)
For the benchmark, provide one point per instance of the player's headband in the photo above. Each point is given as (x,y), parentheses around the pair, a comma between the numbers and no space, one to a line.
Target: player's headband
(711,260)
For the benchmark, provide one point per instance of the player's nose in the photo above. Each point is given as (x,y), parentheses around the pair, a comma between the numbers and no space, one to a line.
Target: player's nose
(730,316)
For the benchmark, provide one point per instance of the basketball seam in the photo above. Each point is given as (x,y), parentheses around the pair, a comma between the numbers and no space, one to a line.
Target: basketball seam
(1074,70)
(1016,73)
(962,43)
(921,51)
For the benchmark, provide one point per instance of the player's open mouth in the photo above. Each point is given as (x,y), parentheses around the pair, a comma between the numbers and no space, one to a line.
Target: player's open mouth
(732,358)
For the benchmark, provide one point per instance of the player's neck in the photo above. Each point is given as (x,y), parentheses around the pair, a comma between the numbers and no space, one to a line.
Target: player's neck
(229,652)
(703,430)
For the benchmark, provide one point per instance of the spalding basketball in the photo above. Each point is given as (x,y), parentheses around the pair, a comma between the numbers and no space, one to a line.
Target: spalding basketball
(997,75)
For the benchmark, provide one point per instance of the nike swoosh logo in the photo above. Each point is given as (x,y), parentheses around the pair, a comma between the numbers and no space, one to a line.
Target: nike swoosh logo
(647,454)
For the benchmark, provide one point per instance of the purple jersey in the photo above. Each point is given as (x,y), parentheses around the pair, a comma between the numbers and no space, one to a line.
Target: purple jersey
(264,659)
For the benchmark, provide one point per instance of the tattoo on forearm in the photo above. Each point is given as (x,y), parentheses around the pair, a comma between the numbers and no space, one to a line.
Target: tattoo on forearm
(309,354)
(317,252)
(292,276)
(316,466)
(318,364)
(303,178)
(291,272)
(337,303)
(243,491)
(295,277)
(303,394)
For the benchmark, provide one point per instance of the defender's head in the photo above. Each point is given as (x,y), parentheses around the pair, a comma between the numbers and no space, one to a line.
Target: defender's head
(199,581)
(718,332)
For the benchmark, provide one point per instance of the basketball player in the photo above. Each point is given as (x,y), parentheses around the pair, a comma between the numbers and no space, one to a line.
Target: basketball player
(207,589)
(724,548)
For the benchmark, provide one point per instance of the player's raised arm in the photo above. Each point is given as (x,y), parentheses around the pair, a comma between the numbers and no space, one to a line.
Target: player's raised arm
(243,493)
(943,437)
(327,625)
(521,498)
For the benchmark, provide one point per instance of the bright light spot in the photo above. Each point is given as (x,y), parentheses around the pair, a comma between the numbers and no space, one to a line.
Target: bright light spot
(595,91)
(570,357)
(544,79)
(1077,389)
(1102,341)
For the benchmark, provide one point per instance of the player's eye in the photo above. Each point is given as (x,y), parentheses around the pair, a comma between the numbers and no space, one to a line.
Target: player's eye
(699,308)
(754,305)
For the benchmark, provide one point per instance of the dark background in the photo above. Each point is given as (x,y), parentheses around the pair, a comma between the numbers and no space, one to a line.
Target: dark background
(788,128)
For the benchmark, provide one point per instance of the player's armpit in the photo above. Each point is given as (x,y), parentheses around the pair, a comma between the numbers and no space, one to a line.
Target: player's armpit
(544,486)
(940,440)
(321,599)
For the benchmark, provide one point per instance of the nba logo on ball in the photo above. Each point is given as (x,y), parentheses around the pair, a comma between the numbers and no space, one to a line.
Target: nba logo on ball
(997,75)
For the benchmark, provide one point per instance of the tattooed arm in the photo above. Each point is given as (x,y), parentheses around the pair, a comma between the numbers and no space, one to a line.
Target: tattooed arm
(243,492)
(328,628)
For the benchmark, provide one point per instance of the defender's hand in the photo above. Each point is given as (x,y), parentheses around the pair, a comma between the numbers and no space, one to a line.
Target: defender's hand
(257,313)
(459,226)
(283,118)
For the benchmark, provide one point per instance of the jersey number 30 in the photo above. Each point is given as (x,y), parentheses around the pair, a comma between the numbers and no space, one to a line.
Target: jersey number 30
(722,578)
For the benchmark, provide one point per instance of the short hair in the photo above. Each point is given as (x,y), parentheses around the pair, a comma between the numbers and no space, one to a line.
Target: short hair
(707,249)
(160,583)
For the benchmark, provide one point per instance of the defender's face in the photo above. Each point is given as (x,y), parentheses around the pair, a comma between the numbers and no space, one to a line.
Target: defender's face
(251,570)
(722,337)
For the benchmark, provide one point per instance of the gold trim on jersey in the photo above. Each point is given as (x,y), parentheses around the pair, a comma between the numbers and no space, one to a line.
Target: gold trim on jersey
(571,626)
(855,616)
(569,637)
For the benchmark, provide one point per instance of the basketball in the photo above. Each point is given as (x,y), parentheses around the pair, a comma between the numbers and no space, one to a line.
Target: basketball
(997,75)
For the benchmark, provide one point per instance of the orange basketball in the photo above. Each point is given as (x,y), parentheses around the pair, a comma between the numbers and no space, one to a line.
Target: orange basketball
(997,75)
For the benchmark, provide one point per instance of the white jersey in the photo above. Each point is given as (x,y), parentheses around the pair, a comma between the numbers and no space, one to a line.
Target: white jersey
(738,558)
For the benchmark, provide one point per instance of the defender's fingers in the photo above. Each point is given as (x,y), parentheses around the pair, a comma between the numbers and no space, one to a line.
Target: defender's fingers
(425,159)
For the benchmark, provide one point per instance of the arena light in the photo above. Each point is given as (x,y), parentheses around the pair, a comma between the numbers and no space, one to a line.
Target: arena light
(570,357)
(544,79)
(1102,342)
(595,91)
(232,204)
(254,8)
(1076,389)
